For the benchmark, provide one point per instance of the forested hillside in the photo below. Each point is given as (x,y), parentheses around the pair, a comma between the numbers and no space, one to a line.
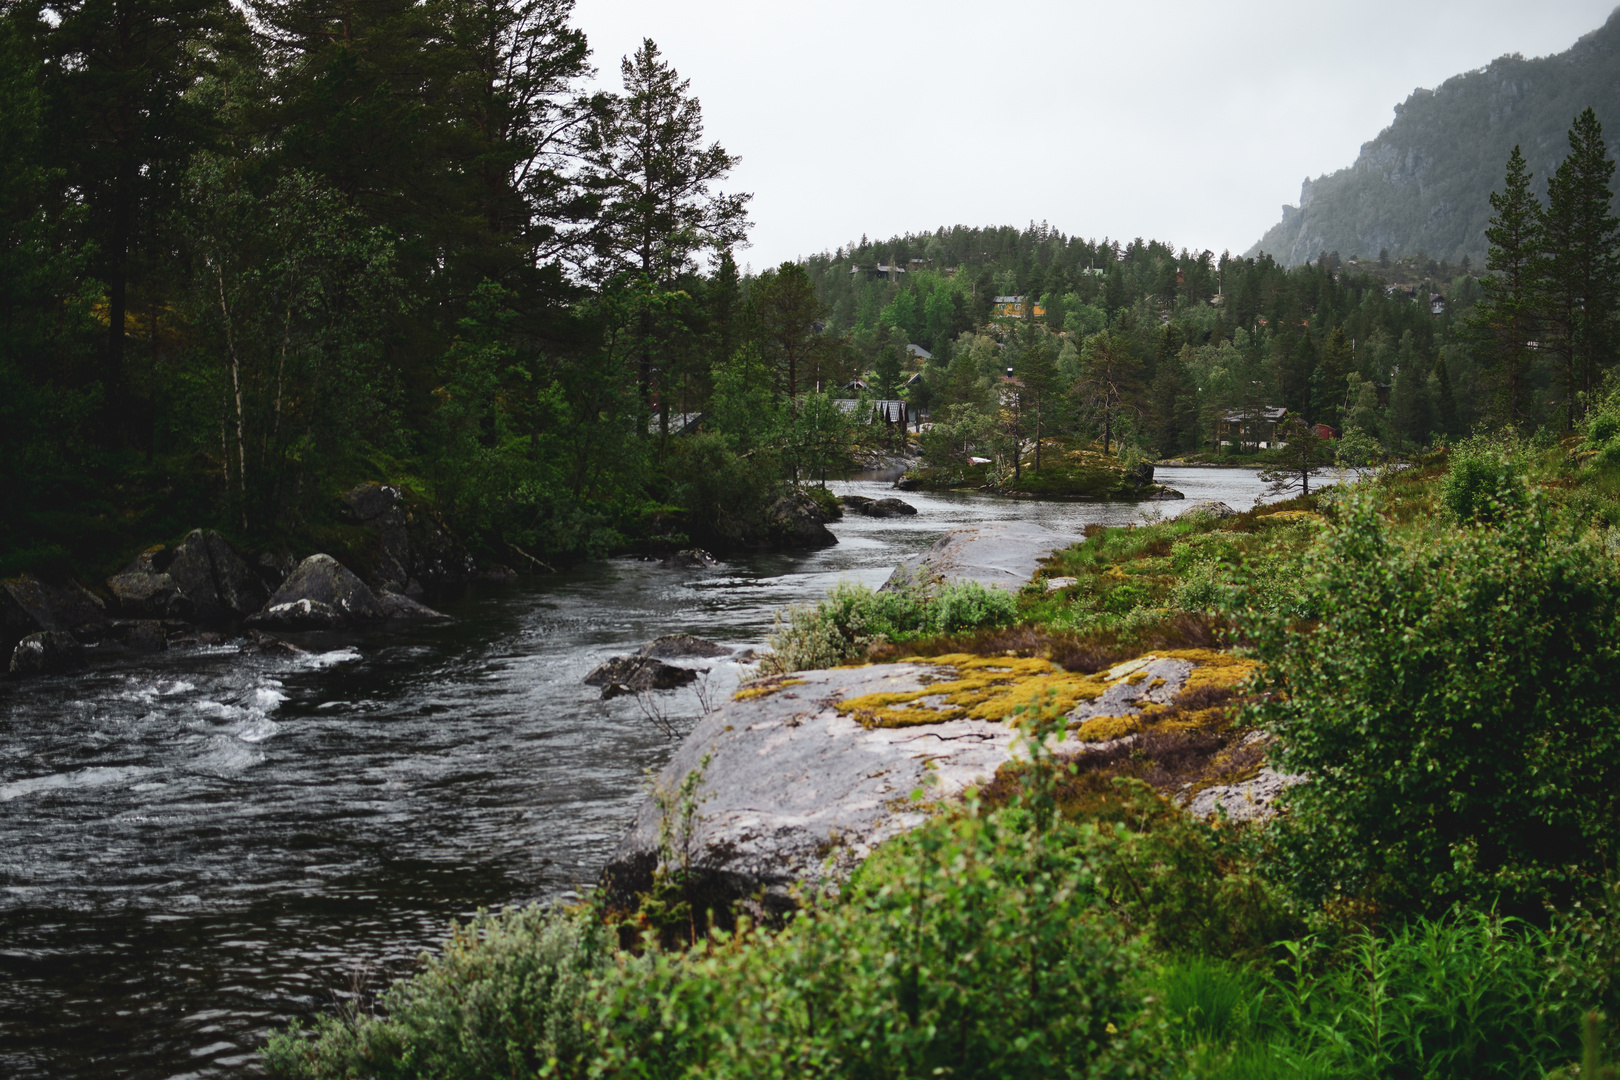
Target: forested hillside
(1153,346)
(1420,187)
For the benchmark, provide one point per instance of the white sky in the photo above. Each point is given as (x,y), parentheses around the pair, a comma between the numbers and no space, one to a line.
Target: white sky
(1179,121)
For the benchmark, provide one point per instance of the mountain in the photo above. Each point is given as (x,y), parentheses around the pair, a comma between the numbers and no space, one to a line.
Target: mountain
(1423,185)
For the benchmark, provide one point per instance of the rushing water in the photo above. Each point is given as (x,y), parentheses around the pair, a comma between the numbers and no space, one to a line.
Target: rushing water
(197,847)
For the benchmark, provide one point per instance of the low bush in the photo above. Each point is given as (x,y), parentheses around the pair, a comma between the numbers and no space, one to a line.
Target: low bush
(1485,480)
(510,995)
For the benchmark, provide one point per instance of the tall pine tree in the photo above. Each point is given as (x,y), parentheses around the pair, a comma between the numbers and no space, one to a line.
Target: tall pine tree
(1506,319)
(1579,237)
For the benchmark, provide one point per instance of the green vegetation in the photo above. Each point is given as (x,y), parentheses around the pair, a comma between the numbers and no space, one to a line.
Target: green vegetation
(854,619)
(1420,185)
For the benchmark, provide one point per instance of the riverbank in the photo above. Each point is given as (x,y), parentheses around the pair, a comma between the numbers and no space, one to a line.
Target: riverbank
(206,843)
(929,910)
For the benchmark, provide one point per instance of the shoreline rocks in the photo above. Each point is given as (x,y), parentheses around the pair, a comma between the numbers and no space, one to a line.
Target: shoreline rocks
(323,594)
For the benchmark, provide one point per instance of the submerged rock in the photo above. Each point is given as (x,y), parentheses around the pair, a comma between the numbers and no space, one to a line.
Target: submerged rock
(46,652)
(690,559)
(682,647)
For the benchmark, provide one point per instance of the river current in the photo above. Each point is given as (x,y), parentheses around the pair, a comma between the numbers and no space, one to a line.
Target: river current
(197,847)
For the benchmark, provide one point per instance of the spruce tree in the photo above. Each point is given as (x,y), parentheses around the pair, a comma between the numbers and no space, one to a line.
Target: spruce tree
(1506,319)
(1580,261)
(660,206)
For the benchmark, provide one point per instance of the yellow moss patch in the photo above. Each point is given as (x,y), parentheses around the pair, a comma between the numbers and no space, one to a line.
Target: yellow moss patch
(1103,728)
(764,688)
(979,688)
(1212,667)
(1293,515)
(997,688)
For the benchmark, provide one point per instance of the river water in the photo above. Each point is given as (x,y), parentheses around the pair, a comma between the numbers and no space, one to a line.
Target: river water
(197,847)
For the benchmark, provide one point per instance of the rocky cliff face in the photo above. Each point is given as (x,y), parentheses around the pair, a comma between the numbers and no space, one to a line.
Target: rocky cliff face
(1423,185)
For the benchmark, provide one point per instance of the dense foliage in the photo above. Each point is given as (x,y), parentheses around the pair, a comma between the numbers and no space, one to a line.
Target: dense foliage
(252,254)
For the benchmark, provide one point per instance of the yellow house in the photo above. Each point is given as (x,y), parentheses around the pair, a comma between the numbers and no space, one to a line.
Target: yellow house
(1013,307)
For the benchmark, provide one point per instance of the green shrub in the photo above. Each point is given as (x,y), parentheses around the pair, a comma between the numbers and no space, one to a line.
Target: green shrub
(1457,709)
(1485,480)
(972,949)
(853,617)
(510,995)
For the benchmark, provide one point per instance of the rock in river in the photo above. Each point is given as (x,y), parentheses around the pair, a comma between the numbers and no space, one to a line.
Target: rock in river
(637,674)
(322,594)
(690,559)
(798,521)
(213,577)
(878,508)
(45,652)
(682,647)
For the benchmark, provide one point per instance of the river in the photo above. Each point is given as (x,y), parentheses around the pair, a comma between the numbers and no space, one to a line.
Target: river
(197,847)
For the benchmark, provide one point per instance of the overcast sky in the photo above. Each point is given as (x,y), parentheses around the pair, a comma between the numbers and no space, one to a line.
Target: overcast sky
(1179,121)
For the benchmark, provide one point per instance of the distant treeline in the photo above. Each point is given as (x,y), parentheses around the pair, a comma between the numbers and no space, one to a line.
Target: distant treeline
(1156,349)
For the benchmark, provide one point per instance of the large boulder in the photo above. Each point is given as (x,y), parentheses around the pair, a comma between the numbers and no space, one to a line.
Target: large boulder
(878,508)
(797,793)
(46,652)
(322,594)
(30,606)
(797,521)
(221,588)
(411,550)
(145,590)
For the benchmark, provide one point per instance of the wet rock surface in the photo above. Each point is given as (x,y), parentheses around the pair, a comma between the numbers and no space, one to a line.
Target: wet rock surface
(878,508)
(30,606)
(798,521)
(213,577)
(690,559)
